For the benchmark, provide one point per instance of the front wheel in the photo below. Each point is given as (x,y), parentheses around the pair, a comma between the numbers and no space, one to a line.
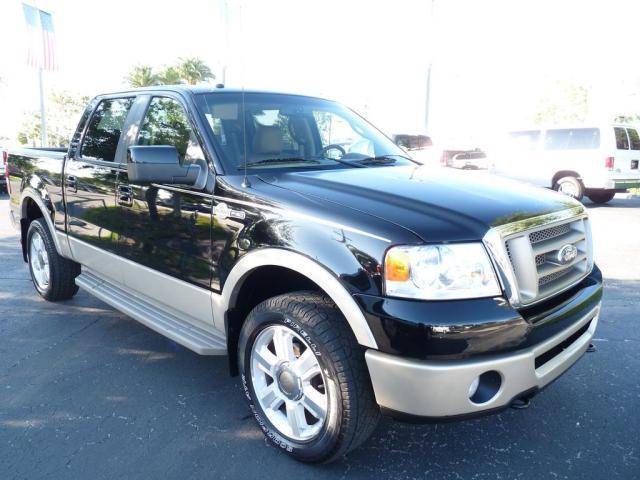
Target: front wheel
(305,378)
(602,196)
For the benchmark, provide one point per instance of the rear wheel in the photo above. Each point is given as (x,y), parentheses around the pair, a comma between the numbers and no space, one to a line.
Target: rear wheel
(570,186)
(305,377)
(601,196)
(52,275)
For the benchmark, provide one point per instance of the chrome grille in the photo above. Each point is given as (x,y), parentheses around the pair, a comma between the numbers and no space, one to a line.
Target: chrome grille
(527,254)
(547,233)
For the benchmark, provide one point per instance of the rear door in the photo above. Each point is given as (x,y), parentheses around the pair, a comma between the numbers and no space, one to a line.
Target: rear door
(628,152)
(93,217)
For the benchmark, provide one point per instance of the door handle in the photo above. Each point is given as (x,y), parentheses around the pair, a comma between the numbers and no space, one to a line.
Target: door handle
(72,183)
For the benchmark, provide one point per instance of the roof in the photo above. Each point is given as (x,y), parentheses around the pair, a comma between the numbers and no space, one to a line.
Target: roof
(195,89)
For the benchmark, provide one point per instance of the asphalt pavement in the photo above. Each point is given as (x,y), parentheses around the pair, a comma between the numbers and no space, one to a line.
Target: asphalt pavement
(88,393)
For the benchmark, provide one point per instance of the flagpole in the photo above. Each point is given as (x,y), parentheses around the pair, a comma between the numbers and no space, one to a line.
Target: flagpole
(43,120)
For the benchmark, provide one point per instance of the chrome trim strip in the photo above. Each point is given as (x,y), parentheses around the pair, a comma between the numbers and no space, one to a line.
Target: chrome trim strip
(183,190)
(440,389)
(303,265)
(494,241)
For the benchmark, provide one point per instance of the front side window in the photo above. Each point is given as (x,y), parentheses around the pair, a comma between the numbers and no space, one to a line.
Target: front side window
(622,141)
(288,131)
(104,129)
(166,123)
(634,138)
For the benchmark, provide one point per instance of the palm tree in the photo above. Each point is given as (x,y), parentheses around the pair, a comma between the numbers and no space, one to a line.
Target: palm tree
(193,70)
(142,76)
(171,76)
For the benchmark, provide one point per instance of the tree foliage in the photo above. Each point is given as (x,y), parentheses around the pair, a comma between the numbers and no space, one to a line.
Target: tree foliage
(191,70)
(563,102)
(142,76)
(62,114)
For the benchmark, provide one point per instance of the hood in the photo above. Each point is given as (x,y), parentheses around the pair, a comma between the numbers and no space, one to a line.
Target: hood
(437,204)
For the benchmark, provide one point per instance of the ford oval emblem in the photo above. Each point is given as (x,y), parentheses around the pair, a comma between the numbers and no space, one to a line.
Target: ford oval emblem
(567,254)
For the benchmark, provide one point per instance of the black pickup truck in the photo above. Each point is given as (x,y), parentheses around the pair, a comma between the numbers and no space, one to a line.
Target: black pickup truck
(342,279)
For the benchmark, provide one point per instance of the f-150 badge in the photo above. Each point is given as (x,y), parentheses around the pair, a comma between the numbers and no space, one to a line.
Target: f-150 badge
(223,211)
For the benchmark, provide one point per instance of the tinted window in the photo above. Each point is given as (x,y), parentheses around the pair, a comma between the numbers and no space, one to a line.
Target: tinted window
(525,140)
(557,139)
(103,133)
(572,139)
(166,123)
(584,138)
(634,139)
(622,141)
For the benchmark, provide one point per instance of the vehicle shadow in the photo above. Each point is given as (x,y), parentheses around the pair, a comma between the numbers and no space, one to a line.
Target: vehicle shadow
(617,202)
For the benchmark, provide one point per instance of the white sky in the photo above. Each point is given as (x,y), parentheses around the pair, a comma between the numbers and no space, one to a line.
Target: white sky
(491,59)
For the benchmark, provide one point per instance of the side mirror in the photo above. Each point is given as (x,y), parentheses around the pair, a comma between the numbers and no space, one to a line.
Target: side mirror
(159,164)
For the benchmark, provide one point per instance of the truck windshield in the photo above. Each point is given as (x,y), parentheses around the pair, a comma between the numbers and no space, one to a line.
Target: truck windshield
(266,130)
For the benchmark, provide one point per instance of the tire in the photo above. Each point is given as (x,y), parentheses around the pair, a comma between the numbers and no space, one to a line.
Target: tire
(601,196)
(53,276)
(570,186)
(321,334)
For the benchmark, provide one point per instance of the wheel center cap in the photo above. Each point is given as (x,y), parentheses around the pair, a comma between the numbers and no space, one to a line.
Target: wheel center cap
(289,384)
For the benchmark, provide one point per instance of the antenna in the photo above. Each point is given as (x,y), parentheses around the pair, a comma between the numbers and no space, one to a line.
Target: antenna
(245,181)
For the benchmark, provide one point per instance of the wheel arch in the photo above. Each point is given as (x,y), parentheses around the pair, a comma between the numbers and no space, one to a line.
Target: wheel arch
(564,173)
(32,206)
(294,272)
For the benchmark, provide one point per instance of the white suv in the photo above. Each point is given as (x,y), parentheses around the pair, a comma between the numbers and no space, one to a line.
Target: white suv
(596,161)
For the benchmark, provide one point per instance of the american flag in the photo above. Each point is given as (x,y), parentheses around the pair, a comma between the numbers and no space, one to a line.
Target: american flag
(41,38)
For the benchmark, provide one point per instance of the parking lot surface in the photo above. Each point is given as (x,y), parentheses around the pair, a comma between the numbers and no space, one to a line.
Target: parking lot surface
(88,393)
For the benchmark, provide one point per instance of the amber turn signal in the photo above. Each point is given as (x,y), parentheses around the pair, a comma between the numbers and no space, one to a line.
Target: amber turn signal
(397,266)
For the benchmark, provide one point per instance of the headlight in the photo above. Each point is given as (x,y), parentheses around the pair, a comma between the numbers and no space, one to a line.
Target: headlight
(440,272)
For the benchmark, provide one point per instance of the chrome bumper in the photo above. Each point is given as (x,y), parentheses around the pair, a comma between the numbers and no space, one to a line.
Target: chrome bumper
(440,389)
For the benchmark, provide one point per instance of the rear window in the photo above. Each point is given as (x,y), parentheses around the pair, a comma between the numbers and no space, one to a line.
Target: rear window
(622,141)
(634,138)
(103,133)
(572,139)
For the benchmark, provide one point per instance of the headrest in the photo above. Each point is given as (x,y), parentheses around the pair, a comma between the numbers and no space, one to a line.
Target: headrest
(267,140)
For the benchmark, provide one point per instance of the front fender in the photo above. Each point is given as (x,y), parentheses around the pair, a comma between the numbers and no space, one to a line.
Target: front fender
(311,269)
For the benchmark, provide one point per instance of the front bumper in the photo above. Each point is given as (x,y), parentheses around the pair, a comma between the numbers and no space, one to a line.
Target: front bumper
(439,389)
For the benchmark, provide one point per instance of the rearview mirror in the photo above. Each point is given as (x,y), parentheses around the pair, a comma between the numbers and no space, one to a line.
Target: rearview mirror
(159,164)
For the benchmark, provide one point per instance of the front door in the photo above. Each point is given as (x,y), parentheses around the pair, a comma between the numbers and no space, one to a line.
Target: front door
(168,227)
(93,216)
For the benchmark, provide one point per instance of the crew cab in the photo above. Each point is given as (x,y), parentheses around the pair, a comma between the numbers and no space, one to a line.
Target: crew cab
(341,279)
(592,160)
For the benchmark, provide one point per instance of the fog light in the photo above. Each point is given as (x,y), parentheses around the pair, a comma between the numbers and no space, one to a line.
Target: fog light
(485,387)
(473,388)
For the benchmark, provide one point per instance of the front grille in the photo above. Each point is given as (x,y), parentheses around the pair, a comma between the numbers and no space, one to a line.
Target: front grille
(533,255)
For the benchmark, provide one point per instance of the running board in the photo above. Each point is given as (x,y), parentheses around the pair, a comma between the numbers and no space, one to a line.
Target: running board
(199,340)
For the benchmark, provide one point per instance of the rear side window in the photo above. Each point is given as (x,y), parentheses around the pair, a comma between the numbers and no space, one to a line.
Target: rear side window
(525,140)
(622,141)
(634,138)
(103,133)
(572,139)
(166,123)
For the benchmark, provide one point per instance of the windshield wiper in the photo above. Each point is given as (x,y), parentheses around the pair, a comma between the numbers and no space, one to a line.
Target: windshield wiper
(383,160)
(271,161)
